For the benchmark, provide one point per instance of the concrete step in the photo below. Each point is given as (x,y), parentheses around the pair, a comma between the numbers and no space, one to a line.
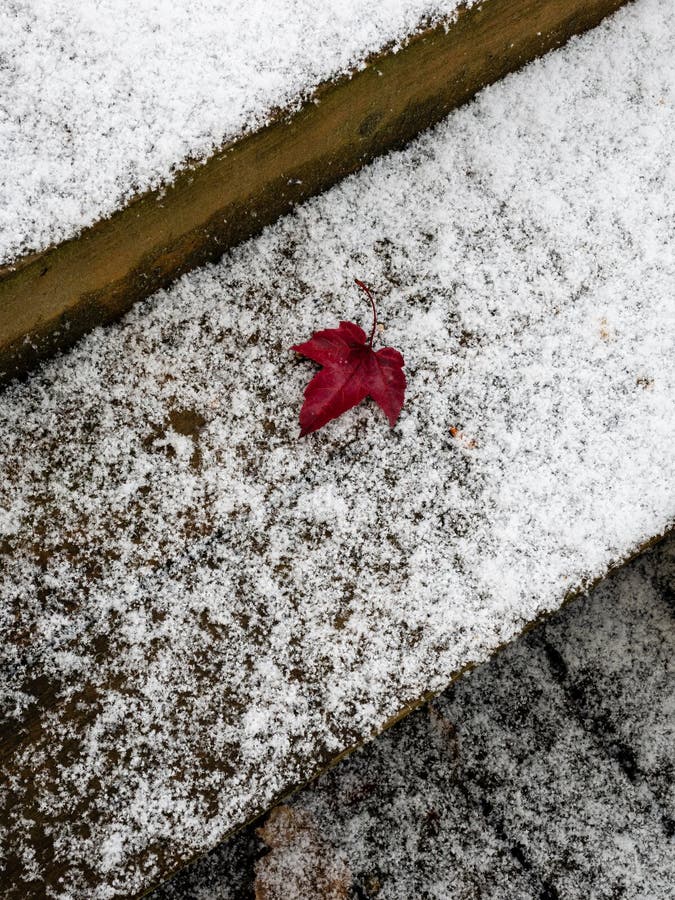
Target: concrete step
(499,788)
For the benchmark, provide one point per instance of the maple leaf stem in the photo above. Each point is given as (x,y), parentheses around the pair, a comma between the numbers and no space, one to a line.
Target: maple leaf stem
(351,371)
(367,292)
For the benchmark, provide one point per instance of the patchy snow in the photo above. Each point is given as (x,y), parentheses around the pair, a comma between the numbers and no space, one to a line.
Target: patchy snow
(546,774)
(101,99)
(198,609)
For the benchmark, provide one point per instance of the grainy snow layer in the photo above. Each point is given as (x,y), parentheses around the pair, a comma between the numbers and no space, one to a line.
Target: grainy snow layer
(198,608)
(547,774)
(100,99)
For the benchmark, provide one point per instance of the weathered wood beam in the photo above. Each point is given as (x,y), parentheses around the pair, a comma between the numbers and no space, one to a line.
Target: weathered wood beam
(50,299)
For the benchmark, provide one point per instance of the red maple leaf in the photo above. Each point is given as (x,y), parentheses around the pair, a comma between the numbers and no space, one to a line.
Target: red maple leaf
(352,371)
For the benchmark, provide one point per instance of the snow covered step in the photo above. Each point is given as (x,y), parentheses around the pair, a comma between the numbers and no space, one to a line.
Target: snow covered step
(139,141)
(199,610)
(497,789)
(631,712)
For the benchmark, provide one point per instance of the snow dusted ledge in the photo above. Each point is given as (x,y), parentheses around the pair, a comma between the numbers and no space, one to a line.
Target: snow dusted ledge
(547,773)
(139,141)
(200,611)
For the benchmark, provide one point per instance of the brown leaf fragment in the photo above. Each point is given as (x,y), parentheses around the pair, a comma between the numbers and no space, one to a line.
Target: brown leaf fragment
(443,731)
(465,441)
(301,864)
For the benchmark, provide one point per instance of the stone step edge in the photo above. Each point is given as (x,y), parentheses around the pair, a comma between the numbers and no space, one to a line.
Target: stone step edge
(323,765)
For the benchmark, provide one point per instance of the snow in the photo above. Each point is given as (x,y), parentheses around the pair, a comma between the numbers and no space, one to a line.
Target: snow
(103,99)
(210,608)
(547,773)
